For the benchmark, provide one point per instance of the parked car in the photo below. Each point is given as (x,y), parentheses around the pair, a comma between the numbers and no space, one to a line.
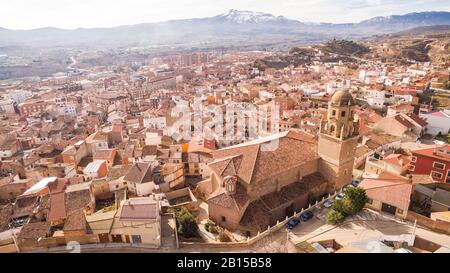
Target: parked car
(355,183)
(339,196)
(328,203)
(307,215)
(292,223)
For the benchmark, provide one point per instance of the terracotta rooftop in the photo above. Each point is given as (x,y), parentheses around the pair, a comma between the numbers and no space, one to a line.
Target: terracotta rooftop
(76,221)
(418,120)
(395,192)
(35,231)
(255,160)
(140,173)
(139,209)
(403,121)
(439,152)
(77,200)
(103,154)
(57,207)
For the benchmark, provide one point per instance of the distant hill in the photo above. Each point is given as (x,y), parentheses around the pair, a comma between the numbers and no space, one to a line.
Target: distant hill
(427,30)
(234,27)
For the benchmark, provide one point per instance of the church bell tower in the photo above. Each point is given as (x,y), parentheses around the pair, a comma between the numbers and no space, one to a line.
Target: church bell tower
(338,139)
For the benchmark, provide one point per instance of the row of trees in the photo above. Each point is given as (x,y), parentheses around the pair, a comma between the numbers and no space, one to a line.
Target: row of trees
(354,201)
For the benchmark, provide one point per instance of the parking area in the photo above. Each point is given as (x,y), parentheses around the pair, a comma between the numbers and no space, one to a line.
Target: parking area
(318,220)
(367,224)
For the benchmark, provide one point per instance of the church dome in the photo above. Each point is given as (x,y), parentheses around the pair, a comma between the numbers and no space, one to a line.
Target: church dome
(342,98)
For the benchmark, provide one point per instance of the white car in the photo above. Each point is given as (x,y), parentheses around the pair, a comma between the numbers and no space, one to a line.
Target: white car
(339,196)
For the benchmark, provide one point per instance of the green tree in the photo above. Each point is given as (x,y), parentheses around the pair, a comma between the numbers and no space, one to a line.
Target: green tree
(354,200)
(335,217)
(186,224)
(339,206)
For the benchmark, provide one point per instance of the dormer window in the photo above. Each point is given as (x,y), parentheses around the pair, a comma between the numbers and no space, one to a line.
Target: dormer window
(230,185)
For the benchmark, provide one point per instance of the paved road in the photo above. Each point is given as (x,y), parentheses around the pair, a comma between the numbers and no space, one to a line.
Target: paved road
(366,225)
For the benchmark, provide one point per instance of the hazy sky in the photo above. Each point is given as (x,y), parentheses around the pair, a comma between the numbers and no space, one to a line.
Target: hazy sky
(27,14)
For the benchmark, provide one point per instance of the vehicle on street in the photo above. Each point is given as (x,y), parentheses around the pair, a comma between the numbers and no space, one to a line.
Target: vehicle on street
(306,216)
(355,183)
(292,223)
(339,196)
(328,203)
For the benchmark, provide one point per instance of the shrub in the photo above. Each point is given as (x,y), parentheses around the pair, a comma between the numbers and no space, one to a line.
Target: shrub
(186,225)
(210,226)
(334,217)
(223,237)
(339,206)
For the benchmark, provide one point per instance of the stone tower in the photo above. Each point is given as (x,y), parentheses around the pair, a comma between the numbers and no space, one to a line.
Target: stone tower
(338,139)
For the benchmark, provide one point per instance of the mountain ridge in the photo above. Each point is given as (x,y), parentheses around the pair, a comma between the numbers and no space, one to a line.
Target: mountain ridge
(233,27)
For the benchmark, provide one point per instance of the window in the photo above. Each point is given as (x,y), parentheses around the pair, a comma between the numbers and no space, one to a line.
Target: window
(334,113)
(436,175)
(399,211)
(412,168)
(136,239)
(343,114)
(224,219)
(448,177)
(413,158)
(438,165)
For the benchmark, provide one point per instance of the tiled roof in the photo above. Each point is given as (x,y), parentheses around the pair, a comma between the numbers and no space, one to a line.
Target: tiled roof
(395,192)
(253,162)
(77,200)
(57,207)
(237,200)
(433,152)
(118,171)
(403,121)
(75,221)
(418,120)
(25,206)
(35,230)
(103,154)
(140,173)
(139,209)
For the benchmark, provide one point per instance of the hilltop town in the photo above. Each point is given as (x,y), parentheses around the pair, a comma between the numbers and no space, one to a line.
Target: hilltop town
(96,158)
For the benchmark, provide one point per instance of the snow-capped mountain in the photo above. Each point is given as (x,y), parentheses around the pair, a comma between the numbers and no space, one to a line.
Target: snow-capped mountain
(415,18)
(244,16)
(234,27)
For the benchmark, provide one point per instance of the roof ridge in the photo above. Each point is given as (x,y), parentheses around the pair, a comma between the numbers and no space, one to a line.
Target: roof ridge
(390,185)
(254,163)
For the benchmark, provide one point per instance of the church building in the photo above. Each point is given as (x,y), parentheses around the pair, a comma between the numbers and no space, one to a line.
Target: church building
(251,187)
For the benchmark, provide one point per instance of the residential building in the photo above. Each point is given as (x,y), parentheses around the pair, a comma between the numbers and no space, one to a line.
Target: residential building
(433,161)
